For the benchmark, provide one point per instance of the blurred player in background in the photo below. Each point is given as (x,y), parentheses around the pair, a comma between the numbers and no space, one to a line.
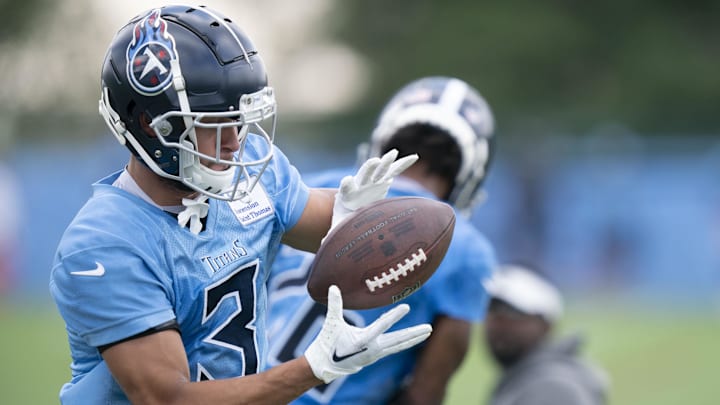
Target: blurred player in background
(160,313)
(536,370)
(450,126)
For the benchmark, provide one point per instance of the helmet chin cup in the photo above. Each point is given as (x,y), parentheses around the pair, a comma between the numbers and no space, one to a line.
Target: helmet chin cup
(213,181)
(200,177)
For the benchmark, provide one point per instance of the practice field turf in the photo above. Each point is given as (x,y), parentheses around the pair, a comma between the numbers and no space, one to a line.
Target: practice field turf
(651,358)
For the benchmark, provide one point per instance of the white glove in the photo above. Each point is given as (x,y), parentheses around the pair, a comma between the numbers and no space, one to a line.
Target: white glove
(371,183)
(341,349)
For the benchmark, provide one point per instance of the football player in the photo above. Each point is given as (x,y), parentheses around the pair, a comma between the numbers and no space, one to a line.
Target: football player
(450,126)
(161,276)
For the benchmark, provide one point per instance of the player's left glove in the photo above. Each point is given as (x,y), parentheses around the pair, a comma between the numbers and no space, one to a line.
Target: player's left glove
(341,349)
(370,184)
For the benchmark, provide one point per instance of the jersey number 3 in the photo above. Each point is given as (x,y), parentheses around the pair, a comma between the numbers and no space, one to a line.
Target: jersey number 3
(237,332)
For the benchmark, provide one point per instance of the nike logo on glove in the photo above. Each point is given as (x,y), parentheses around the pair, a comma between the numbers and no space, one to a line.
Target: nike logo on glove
(337,358)
(98,271)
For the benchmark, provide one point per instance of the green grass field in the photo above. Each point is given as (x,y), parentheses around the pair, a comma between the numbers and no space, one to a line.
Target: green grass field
(652,358)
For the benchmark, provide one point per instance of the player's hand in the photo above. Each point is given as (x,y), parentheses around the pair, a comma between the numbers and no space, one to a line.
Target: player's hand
(342,349)
(370,184)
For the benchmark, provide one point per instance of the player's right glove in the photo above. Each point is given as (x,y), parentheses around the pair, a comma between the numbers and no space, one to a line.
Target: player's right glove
(341,349)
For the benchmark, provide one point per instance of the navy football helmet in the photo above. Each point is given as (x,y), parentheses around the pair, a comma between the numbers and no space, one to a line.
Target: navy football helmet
(455,107)
(178,68)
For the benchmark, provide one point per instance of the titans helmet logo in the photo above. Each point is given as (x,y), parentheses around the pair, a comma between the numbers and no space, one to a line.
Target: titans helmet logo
(149,55)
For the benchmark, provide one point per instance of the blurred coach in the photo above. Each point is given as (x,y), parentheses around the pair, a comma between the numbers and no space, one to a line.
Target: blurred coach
(537,369)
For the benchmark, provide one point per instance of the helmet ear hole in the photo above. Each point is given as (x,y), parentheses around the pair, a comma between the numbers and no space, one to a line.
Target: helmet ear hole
(145,125)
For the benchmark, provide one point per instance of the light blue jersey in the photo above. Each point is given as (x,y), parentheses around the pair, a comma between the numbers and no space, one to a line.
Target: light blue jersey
(124,266)
(455,290)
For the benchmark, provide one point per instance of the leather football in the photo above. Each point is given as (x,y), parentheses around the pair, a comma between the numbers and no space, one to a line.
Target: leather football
(382,252)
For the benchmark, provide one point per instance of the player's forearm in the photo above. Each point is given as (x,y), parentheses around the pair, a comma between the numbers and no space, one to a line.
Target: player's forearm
(440,358)
(153,369)
(278,385)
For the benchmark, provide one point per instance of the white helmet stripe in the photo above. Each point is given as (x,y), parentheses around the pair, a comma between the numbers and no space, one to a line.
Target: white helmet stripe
(453,95)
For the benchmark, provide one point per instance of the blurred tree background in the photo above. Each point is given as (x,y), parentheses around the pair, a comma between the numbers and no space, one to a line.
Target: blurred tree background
(22,16)
(557,66)
(551,67)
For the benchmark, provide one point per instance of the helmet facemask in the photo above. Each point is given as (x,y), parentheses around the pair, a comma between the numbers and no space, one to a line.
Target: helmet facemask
(254,118)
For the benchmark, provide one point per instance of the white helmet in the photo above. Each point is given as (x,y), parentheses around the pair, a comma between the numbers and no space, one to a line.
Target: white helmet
(458,109)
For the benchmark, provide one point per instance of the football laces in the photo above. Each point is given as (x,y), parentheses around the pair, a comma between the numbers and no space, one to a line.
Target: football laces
(394,273)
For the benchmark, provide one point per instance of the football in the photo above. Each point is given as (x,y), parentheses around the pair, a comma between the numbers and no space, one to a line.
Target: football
(382,252)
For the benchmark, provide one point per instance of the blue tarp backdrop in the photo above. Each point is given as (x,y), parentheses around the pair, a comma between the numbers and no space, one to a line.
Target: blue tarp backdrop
(645,224)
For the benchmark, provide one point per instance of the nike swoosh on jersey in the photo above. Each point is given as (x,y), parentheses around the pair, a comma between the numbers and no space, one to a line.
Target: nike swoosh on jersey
(98,271)
(337,358)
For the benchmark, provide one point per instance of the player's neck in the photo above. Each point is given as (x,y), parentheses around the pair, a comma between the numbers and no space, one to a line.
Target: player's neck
(160,190)
(437,185)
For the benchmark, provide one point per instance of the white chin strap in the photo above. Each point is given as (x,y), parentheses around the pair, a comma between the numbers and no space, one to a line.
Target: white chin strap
(195,210)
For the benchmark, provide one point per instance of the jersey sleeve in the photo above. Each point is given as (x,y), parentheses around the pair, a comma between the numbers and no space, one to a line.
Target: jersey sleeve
(456,288)
(110,293)
(286,188)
